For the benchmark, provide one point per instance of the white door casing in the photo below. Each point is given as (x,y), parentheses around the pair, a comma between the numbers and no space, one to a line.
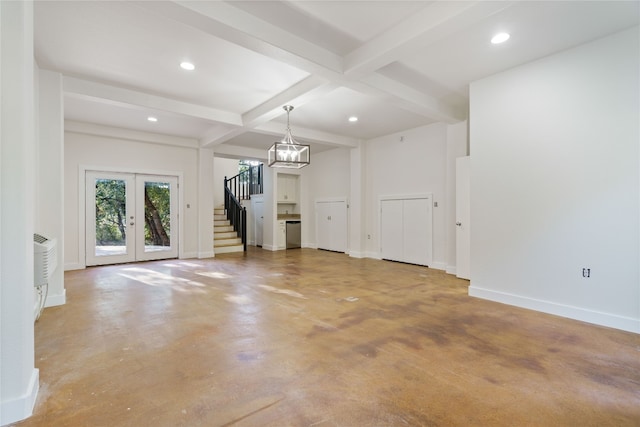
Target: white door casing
(133,248)
(463,218)
(406,229)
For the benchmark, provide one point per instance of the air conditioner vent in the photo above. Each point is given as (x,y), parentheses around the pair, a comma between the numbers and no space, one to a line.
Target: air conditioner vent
(44,259)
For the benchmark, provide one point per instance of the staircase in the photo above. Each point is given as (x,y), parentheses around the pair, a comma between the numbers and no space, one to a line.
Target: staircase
(225,240)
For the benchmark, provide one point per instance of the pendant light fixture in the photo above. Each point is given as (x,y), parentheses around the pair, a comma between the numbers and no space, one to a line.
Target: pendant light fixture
(288,153)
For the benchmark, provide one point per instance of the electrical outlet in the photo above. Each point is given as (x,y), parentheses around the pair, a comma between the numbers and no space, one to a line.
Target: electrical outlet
(586,272)
(369,236)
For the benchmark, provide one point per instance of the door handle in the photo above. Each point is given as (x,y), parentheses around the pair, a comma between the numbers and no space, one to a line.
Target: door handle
(131,223)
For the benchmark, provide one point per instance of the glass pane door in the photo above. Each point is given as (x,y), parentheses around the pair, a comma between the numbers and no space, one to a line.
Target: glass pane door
(158,206)
(130,217)
(109,218)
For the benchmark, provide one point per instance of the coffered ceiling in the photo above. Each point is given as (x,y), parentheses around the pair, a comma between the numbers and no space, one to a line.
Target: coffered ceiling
(393,64)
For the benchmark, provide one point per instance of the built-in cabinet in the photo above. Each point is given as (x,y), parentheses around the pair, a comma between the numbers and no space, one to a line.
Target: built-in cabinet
(281,235)
(331,225)
(287,188)
(406,230)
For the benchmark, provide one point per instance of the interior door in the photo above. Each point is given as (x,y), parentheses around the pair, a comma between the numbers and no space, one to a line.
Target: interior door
(110,218)
(417,231)
(323,225)
(463,217)
(391,230)
(339,226)
(331,225)
(130,217)
(258,211)
(157,213)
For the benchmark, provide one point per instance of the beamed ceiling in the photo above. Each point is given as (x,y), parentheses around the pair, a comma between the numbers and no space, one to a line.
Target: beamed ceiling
(394,64)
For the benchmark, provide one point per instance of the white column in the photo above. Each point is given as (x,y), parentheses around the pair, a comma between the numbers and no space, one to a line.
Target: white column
(205,203)
(357,221)
(50,176)
(18,376)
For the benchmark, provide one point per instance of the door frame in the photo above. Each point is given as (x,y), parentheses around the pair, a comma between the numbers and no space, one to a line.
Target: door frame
(82,185)
(344,200)
(382,198)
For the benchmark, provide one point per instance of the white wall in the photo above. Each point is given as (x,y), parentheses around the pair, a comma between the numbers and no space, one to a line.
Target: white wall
(407,163)
(555,184)
(328,177)
(99,151)
(18,377)
(222,167)
(49,220)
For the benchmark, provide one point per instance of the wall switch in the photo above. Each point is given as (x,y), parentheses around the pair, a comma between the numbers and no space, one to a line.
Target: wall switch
(435,204)
(586,272)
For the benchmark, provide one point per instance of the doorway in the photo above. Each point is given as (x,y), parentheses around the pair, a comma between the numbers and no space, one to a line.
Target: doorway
(130,217)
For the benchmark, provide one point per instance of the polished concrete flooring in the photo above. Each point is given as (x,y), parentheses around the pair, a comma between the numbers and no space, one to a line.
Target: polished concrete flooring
(314,338)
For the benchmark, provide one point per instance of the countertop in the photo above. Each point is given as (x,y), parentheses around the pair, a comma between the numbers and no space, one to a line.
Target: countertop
(293,217)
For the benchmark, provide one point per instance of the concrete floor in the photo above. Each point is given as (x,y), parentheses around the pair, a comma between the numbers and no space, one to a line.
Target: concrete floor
(313,338)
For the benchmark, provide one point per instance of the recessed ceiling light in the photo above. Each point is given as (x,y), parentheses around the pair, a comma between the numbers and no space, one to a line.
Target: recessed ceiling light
(152,119)
(500,38)
(187,66)
(353,119)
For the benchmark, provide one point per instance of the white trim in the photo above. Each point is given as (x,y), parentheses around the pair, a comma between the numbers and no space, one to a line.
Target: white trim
(357,254)
(577,313)
(451,269)
(21,408)
(406,196)
(68,266)
(438,266)
(210,254)
(187,255)
(382,198)
(84,128)
(55,300)
(373,255)
(82,185)
(269,247)
(343,199)
(309,245)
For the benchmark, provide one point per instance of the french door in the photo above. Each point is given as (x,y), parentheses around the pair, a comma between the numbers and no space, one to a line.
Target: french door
(130,217)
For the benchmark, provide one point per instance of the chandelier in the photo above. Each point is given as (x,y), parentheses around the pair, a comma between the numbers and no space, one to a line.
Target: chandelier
(288,153)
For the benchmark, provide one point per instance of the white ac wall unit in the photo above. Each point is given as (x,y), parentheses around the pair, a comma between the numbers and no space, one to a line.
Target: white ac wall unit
(45,259)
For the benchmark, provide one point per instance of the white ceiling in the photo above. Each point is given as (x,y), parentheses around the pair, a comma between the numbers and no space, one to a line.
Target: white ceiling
(394,64)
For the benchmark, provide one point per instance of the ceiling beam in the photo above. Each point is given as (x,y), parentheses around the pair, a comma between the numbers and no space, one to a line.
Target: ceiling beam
(434,22)
(412,100)
(306,90)
(108,94)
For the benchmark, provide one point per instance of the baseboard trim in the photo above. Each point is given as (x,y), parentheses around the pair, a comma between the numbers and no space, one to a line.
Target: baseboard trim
(451,269)
(438,266)
(56,300)
(18,409)
(357,254)
(188,255)
(74,266)
(577,313)
(202,255)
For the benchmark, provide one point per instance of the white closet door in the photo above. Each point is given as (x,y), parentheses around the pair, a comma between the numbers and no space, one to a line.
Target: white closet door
(339,226)
(323,225)
(417,231)
(391,230)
